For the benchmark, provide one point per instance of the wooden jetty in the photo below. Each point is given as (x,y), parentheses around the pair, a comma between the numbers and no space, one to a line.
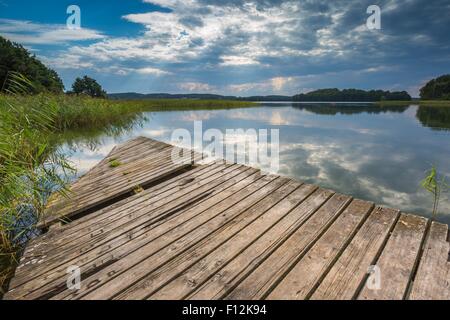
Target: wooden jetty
(146,228)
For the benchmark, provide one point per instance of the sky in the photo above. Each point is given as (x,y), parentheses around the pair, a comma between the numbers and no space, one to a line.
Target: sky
(236,47)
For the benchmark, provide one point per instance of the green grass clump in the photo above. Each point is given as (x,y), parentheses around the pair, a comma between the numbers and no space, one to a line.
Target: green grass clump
(114,163)
(138,189)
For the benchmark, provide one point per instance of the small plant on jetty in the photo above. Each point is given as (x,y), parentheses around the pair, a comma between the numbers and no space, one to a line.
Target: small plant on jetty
(114,163)
(436,185)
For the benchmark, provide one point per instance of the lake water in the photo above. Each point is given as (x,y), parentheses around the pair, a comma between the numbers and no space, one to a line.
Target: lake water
(369,152)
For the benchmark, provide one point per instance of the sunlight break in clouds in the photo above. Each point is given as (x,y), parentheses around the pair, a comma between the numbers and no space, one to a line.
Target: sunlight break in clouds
(196,86)
(277,84)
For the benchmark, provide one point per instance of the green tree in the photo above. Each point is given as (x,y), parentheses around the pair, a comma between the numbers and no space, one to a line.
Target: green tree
(15,58)
(334,94)
(89,87)
(438,88)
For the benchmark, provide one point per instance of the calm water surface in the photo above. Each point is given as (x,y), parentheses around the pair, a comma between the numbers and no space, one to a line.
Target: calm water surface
(372,153)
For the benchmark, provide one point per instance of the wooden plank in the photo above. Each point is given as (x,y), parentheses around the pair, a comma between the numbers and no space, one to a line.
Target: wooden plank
(96,219)
(128,220)
(98,176)
(154,258)
(179,226)
(203,218)
(396,264)
(117,151)
(111,176)
(102,189)
(432,281)
(55,247)
(307,273)
(75,209)
(148,151)
(176,224)
(273,224)
(103,170)
(349,272)
(250,225)
(145,198)
(260,279)
(105,183)
(105,214)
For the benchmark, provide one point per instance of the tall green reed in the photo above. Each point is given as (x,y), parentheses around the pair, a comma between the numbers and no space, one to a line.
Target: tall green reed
(30,167)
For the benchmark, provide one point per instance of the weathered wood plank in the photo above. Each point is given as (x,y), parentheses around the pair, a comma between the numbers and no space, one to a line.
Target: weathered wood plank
(432,281)
(127,220)
(275,224)
(260,281)
(396,263)
(104,183)
(106,189)
(307,273)
(174,225)
(220,248)
(348,273)
(180,226)
(154,260)
(107,214)
(243,265)
(212,212)
(119,210)
(103,170)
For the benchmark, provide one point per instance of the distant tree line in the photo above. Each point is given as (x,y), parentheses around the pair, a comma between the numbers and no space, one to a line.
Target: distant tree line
(437,89)
(335,94)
